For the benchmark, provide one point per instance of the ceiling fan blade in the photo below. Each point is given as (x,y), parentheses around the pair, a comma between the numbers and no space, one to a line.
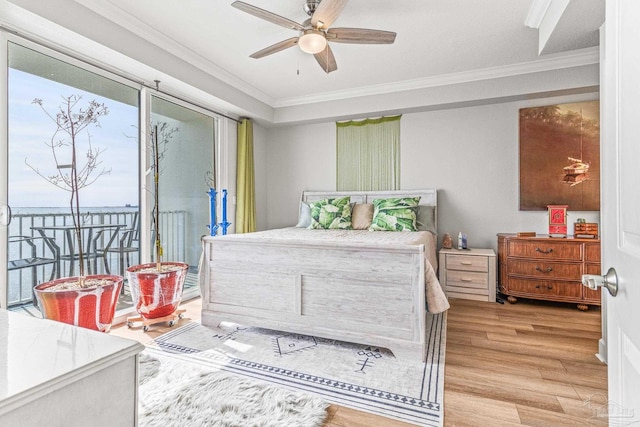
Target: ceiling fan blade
(267,16)
(360,36)
(326,60)
(327,12)
(284,44)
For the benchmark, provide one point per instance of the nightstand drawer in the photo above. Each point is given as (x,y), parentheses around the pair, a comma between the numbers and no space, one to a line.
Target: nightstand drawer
(467,279)
(467,263)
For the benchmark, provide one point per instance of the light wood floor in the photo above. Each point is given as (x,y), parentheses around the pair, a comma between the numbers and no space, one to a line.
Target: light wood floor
(531,363)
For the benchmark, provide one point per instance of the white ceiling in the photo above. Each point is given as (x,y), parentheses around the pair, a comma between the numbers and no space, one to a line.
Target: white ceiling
(436,39)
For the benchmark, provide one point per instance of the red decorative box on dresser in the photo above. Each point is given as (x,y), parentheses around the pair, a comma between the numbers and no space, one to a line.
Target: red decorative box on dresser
(548,268)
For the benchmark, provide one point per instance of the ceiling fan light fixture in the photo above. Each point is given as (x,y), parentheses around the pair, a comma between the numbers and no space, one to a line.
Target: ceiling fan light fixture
(312,41)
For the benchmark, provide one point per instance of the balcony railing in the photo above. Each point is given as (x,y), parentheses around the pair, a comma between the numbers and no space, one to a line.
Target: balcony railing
(22,276)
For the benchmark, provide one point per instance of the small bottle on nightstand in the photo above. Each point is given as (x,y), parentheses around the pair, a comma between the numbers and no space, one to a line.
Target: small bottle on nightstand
(460,240)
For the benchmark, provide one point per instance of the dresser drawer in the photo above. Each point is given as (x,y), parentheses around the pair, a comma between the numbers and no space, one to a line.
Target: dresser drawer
(550,270)
(541,249)
(592,252)
(549,288)
(467,263)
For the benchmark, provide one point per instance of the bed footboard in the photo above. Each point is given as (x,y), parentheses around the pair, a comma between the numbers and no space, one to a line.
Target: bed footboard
(365,294)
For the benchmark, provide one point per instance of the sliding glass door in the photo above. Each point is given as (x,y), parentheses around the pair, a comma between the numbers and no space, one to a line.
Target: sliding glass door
(35,244)
(42,89)
(186,166)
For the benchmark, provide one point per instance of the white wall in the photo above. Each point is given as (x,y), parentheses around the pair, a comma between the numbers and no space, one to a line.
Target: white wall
(299,158)
(469,154)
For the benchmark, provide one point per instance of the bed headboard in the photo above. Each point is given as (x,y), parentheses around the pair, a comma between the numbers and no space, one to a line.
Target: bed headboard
(428,197)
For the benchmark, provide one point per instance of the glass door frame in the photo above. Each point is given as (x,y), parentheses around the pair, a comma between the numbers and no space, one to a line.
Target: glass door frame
(4,164)
(220,149)
(5,39)
(224,149)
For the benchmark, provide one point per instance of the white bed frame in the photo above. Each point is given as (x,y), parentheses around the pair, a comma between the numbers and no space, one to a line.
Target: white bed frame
(365,294)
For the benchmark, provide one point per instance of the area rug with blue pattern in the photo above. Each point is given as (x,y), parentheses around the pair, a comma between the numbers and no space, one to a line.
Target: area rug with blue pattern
(362,377)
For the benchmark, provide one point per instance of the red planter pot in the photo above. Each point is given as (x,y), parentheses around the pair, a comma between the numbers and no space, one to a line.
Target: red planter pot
(91,308)
(156,294)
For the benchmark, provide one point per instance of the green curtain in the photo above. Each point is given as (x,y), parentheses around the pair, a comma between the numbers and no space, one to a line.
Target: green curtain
(245,180)
(368,154)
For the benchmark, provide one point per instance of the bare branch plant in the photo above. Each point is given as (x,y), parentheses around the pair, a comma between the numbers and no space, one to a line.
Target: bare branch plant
(161,135)
(72,121)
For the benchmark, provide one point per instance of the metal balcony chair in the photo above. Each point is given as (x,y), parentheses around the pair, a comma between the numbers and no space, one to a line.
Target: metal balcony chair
(128,242)
(30,258)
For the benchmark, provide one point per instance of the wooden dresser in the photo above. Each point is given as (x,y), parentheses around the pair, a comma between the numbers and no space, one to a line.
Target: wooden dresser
(548,268)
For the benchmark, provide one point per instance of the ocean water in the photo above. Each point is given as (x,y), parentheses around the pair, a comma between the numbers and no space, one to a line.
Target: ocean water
(65,210)
(23,218)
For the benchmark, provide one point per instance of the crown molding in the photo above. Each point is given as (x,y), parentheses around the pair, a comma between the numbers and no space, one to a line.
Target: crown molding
(579,58)
(108,10)
(115,14)
(536,13)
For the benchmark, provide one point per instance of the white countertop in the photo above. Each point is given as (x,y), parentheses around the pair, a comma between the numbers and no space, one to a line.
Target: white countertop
(38,356)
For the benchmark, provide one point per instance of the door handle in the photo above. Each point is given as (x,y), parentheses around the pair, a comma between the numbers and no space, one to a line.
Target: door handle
(609,281)
(5,215)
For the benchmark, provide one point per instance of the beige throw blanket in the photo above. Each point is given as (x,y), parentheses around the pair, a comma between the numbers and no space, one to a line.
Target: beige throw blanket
(437,301)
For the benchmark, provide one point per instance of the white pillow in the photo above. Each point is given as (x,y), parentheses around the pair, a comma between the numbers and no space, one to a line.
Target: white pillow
(304,215)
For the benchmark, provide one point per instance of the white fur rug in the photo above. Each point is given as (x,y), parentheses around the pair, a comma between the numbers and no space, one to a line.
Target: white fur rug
(175,392)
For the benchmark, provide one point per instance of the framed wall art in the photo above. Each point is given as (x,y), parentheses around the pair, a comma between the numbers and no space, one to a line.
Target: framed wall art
(560,156)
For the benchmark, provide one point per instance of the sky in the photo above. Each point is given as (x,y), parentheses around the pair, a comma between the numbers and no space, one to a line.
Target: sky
(30,129)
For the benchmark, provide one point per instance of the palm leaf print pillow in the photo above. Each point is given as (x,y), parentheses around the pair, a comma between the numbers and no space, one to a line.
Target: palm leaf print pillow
(331,213)
(396,214)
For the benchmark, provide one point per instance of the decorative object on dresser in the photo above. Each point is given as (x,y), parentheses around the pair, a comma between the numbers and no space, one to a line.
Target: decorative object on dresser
(557,220)
(584,229)
(468,274)
(548,269)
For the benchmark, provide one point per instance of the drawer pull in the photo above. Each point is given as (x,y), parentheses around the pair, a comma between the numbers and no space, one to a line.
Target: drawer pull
(548,270)
(465,280)
(548,251)
(465,263)
(549,287)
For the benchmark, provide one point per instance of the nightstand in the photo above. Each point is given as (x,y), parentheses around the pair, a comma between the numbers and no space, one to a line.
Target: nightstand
(468,273)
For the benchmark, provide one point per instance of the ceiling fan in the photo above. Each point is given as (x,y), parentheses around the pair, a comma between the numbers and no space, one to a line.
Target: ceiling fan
(314,33)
